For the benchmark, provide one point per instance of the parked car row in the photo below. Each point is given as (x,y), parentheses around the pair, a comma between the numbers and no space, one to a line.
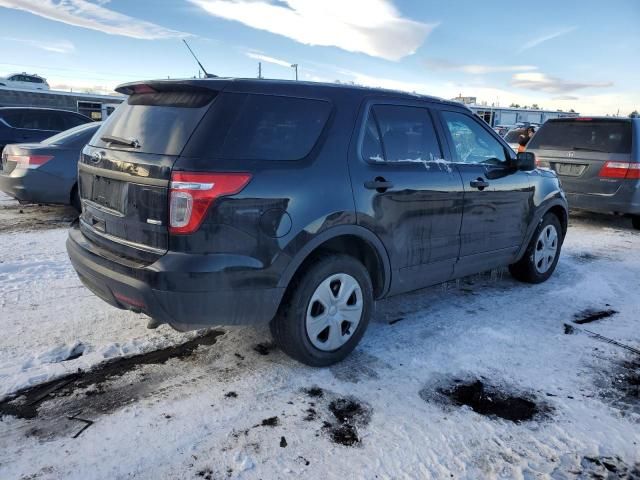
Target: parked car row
(229,201)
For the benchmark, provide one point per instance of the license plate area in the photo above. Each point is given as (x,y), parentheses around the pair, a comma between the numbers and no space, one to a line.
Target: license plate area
(570,169)
(105,192)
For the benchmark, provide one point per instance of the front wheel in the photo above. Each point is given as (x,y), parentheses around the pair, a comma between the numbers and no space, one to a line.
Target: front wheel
(541,257)
(326,311)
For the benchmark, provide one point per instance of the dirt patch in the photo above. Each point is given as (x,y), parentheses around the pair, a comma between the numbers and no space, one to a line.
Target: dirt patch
(590,315)
(493,402)
(26,403)
(608,468)
(19,218)
(264,348)
(349,414)
(621,385)
(314,392)
(270,422)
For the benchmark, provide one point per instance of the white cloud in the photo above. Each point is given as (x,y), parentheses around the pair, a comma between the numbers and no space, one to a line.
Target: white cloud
(475,69)
(544,38)
(265,58)
(55,46)
(373,27)
(94,16)
(544,83)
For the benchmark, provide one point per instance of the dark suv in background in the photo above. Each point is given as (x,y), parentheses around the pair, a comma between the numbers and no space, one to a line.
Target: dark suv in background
(597,159)
(227,201)
(27,124)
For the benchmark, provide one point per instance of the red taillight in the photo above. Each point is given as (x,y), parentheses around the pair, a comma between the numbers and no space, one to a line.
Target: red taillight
(191,194)
(620,170)
(29,161)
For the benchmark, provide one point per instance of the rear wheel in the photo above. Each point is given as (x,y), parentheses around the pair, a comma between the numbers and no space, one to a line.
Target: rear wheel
(326,311)
(541,257)
(635,221)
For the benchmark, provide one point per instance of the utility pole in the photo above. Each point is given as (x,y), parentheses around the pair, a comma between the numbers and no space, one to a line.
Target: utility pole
(295,67)
(259,69)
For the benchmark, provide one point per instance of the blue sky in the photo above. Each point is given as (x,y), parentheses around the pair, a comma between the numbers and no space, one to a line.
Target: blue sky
(558,54)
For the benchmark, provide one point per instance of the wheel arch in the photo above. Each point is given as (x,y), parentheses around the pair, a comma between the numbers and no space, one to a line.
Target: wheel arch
(352,240)
(556,206)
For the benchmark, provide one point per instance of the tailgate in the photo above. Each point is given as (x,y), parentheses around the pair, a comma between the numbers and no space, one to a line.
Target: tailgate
(124,172)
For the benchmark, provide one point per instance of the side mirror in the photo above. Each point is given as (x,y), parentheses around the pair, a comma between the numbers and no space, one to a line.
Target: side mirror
(525,161)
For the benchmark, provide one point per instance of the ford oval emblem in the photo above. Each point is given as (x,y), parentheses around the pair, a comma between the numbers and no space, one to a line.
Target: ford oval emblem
(96,157)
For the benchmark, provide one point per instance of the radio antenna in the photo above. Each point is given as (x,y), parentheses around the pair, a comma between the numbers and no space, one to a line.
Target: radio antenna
(206,74)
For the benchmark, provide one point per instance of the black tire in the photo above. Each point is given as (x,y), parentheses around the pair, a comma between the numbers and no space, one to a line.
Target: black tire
(526,269)
(75,199)
(635,221)
(289,325)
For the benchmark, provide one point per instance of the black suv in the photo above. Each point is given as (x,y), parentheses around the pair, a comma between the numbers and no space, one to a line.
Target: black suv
(228,201)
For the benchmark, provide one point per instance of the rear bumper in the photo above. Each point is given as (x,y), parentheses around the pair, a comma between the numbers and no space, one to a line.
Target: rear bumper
(160,290)
(36,187)
(625,201)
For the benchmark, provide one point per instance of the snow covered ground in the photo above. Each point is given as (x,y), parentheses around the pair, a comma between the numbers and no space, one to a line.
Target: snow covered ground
(235,407)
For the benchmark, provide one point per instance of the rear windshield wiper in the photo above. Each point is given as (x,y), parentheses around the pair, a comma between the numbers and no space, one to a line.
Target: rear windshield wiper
(121,141)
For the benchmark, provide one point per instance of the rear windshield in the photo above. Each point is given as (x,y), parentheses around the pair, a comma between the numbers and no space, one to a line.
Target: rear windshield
(514,135)
(73,135)
(259,127)
(160,122)
(588,135)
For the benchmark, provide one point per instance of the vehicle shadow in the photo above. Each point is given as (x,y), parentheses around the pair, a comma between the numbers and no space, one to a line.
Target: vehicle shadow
(15,217)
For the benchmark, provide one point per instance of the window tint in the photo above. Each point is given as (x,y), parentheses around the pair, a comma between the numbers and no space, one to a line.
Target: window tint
(12,117)
(41,120)
(79,134)
(260,127)
(160,125)
(71,120)
(407,134)
(473,144)
(608,136)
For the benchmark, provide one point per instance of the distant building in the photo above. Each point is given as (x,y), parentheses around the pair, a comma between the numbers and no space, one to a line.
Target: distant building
(25,90)
(511,116)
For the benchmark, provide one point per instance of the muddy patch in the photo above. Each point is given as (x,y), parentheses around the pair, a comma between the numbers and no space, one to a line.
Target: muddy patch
(489,400)
(19,218)
(87,392)
(264,348)
(620,385)
(349,415)
(591,315)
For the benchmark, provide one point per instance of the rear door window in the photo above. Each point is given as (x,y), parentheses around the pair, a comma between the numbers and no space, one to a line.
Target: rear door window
(39,120)
(71,120)
(260,127)
(609,136)
(396,133)
(161,122)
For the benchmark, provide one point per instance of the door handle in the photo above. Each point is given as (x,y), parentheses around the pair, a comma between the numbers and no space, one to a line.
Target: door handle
(380,184)
(479,183)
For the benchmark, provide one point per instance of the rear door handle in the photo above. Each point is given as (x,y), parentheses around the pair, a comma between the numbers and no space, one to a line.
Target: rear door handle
(479,183)
(379,184)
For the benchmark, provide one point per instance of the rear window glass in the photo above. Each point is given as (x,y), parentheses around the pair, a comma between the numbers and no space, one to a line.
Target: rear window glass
(73,135)
(260,127)
(160,122)
(590,135)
